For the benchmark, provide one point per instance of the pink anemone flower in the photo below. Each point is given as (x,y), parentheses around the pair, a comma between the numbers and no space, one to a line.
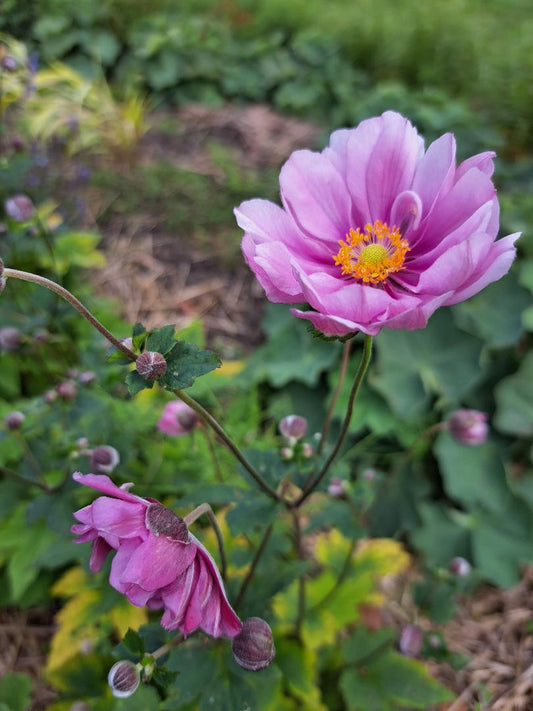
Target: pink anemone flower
(158,562)
(177,419)
(375,231)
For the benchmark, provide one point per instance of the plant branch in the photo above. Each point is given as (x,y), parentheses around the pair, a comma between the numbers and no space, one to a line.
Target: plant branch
(25,479)
(363,366)
(253,565)
(73,301)
(228,442)
(301,580)
(213,453)
(343,573)
(342,374)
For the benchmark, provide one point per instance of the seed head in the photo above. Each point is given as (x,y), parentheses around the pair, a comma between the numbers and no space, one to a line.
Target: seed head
(151,365)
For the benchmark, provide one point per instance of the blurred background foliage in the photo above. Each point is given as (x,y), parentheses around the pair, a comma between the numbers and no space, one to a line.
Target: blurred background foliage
(78,84)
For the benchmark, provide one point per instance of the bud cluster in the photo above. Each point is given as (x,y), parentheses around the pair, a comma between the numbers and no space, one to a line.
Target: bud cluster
(293,428)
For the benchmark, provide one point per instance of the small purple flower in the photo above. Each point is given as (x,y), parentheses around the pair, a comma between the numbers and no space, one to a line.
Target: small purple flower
(14,420)
(104,459)
(293,428)
(19,208)
(460,567)
(178,419)
(469,426)
(337,487)
(158,562)
(376,232)
(10,339)
(67,390)
(411,640)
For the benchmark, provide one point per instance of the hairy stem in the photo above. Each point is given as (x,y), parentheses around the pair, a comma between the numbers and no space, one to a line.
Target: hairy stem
(228,442)
(73,301)
(253,565)
(363,366)
(208,511)
(342,374)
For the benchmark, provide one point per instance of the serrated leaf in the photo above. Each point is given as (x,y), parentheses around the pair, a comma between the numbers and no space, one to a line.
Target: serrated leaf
(136,383)
(161,340)
(185,362)
(364,643)
(299,667)
(133,642)
(139,336)
(249,513)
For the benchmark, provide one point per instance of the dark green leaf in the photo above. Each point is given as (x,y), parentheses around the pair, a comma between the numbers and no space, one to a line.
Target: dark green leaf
(15,691)
(134,643)
(185,362)
(514,398)
(136,382)
(161,340)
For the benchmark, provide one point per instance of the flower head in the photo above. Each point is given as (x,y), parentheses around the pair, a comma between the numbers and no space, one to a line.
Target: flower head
(375,231)
(253,648)
(158,563)
(177,419)
(469,426)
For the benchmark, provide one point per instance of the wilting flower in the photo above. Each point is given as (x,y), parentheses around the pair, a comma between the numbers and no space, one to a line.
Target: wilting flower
(469,426)
(158,563)
(178,419)
(376,232)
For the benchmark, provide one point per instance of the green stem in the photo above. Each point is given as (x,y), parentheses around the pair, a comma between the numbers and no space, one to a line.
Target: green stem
(73,301)
(329,416)
(363,366)
(213,453)
(340,579)
(216,427)
(25,479)
(253,565)
(161,651)
(301,580)
(208,511)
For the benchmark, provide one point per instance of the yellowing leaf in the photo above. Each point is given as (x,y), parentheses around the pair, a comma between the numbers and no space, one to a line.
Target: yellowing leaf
(298,665)
(123,616)
(386,556)
(71,582)
(229,368)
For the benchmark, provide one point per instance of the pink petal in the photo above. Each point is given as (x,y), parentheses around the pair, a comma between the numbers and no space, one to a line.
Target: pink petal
(123,519)
(435,172)
(482,161)
(157,562)
(101,482)
(100,551)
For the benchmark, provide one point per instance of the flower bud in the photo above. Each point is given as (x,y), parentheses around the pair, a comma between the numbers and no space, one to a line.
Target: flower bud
(460,567)
(67,390)
(411,639)
(14,420)
(9,63)
(337,487)
(369,474)
(41,336)
(104,459)
(287,453)
(293,427)
(82,443)
(19,208)
(307,450)
(50,396)
(128,342)
(87,377)
(177,419)
(151,365)
(124,679)
(469,426)
(10,338)
(253,648)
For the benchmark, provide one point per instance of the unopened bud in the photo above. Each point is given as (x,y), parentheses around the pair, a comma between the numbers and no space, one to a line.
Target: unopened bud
(128,342)
(10,338)
(287,453)
(82,443)
(307,450)
(14,420)
(411,640)
(104,459)
(124,679)
(293,427)
(337,487)
(67,390)
(87,377)
(253,648)
(369,474)
(151,365)
(460,567)
(469,426)
(50,396)
(19,208)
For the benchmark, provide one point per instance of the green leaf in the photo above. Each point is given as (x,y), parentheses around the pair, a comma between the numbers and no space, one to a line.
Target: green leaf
(250,512)
(134,643)
(185,362)
(161,340)
(138,336)
(145,698)
(76,249)
(299,667)
(413,366)
(363,643)
(103,46)
(136,382)
(498,553)
(514,400)
(473,475)
(15,691)
(439,537)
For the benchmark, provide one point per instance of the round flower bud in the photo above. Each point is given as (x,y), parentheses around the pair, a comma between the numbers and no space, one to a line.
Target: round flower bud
(337,487)
(369,474)
(87,377)
(124,679)
(411,640)
(151,365)
(293,427)
(307,450)
(9,63)
(460,567)
(10,338)
(469,426)
(19,208)
(67,390)
(253,648)
(50,396)
(287,453)
(104,459)
(14,420)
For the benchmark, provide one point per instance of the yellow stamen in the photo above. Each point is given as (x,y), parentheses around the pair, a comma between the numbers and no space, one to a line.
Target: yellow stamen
(373,254)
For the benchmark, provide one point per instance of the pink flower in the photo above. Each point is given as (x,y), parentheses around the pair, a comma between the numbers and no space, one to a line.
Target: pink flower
(376,232)
(158,563)
(178,419)
(469,426)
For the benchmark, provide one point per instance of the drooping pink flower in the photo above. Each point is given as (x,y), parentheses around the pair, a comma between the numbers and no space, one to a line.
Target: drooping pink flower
(376,232)
(158,562)
(178,419)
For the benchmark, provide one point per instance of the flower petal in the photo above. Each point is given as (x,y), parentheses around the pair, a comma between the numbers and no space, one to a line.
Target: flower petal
(102,482)
(157,562)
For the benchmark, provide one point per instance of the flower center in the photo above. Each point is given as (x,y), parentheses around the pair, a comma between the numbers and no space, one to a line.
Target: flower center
(164,522)
(373,254)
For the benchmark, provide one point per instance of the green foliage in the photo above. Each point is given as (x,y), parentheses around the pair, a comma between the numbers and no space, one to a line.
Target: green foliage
(15,692)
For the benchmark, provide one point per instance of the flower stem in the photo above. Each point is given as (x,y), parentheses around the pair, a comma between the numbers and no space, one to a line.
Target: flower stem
(73,301)
(208,511)
(363,366)
(161,651)
(342,373)
(301,580)
(213,453)
(253,565)
(25,479)
(216,427)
